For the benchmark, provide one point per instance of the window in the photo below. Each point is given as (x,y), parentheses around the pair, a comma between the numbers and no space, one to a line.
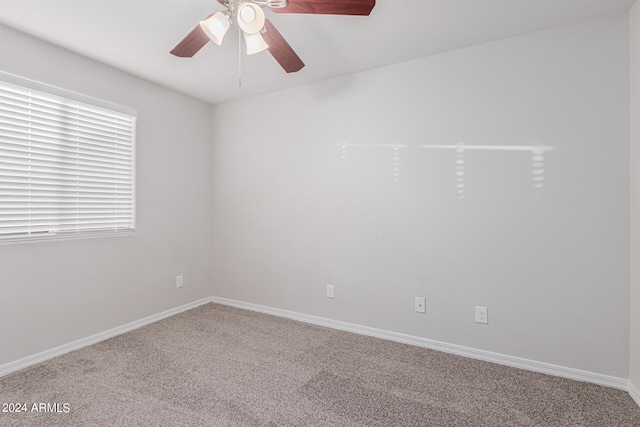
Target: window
(66,163)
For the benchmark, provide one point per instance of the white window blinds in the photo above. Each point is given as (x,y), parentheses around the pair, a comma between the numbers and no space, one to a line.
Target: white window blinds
(66,163)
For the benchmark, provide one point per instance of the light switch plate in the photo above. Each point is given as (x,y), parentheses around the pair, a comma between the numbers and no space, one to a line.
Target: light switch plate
(330,291)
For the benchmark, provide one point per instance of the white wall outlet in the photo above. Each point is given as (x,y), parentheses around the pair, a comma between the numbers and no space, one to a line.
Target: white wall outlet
(421,304)
(330,291)
(179,281)
(482,315)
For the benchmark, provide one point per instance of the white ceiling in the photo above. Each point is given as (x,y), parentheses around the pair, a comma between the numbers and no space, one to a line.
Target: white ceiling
(137,35)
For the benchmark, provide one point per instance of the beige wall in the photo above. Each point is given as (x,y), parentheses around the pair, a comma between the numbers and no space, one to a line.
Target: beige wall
(634,49)
(293,211)
(53,293)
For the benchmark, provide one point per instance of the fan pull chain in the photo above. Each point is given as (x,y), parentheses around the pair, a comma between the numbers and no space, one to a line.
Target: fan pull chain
(239,57)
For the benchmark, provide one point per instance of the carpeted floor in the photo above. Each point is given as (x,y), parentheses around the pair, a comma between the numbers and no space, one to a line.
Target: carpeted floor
(221,366)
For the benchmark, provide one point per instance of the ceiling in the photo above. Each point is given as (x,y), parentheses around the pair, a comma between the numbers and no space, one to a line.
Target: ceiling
(137,35)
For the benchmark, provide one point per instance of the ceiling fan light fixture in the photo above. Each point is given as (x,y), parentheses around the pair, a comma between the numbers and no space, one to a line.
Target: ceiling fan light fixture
(274,4)
(216,26)
(255,43)
(277,4)
(250,17)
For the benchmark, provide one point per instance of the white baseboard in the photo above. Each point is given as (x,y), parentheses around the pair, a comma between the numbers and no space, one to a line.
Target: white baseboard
(634,391)
(502,359)
(516,362)
(93,339)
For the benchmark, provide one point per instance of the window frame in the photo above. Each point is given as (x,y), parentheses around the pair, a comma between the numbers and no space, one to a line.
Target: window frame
(67,95)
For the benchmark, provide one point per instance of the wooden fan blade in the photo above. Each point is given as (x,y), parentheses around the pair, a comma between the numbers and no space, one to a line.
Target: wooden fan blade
(192,43)
(328,7)
(280,49)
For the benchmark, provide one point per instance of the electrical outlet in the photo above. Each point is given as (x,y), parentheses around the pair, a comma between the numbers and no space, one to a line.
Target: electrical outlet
(179,281)
(421,304)
(482,315)
(330,291)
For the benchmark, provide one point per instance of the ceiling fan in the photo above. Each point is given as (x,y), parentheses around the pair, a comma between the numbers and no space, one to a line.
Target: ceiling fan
(259,32)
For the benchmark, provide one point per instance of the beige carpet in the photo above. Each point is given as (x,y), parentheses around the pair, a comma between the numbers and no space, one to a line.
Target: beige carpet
(221,366)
